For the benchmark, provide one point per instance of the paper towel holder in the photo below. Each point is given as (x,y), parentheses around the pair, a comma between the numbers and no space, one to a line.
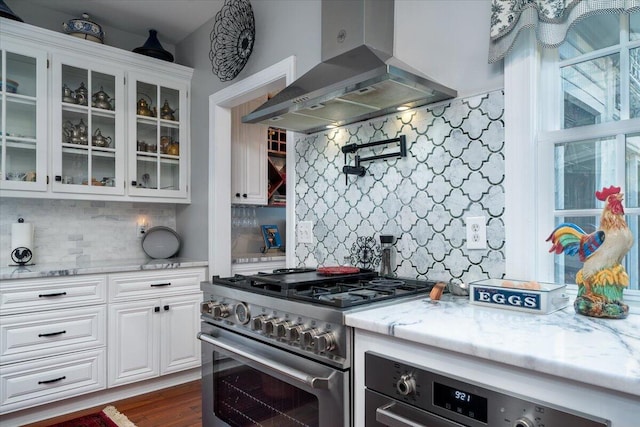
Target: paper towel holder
(21,255)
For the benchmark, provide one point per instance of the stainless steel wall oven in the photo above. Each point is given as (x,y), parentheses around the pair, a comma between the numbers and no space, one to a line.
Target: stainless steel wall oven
(275,349)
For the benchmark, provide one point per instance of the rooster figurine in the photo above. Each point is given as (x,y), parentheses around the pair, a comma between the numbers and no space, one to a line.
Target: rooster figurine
(602,278)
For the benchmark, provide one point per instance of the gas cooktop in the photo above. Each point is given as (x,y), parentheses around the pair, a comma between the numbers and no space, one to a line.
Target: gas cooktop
(340,290)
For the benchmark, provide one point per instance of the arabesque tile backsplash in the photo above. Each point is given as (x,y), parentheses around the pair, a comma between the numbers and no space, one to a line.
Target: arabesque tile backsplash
(454,169)
(78,231)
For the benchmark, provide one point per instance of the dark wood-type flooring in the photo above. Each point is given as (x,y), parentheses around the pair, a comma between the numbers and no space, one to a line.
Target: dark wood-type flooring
(178,406)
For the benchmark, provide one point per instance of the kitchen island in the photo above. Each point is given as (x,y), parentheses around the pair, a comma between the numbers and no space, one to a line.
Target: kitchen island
(585,364)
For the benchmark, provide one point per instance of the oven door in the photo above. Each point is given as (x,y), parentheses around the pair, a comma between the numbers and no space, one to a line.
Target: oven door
(249,383)
(381,410)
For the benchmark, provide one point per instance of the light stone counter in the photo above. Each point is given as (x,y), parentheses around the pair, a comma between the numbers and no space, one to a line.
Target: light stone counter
(245,258)
(96,267)
(601,352)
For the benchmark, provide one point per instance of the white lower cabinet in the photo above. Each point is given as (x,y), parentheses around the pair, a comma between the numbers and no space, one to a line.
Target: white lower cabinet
(63,337)
(47,380)
(153,337)
(52,339)
(153,322)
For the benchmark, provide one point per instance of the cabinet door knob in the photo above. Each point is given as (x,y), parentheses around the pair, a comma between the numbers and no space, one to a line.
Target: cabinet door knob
(156,309)
(237,194)
(134,184)
(166,308)
(244,195)
(58,178)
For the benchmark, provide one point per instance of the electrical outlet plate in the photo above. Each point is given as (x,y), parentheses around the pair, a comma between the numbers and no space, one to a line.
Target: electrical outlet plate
(476,232)
(305,232)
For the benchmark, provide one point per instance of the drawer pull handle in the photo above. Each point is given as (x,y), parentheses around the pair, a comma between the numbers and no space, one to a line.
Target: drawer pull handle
(51,334)
(52,381)
(58,294)
(156,285)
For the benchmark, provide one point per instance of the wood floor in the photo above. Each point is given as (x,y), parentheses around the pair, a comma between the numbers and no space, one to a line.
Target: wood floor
(178,406)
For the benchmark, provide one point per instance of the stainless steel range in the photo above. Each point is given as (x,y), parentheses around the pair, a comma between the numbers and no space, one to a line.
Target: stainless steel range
(276,351)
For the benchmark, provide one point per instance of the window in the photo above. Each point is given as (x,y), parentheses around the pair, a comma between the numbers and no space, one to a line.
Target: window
(589,137)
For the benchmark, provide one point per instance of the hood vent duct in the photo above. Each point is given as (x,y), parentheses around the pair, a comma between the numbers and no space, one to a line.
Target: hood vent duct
(358,78)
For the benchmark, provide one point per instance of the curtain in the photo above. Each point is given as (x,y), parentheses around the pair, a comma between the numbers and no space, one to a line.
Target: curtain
(551,20)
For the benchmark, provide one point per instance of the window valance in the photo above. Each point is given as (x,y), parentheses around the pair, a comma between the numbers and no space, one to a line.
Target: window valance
(551,20)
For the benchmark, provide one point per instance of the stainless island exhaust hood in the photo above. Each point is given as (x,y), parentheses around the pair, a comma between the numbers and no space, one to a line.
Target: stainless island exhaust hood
(359,77)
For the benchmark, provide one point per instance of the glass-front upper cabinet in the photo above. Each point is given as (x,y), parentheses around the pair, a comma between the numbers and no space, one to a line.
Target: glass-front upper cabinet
(23,117)
(88,127)
(157,126)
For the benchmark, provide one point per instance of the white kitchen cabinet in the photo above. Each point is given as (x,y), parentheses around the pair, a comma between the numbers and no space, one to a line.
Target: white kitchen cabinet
(89,147)
(23,115)
(52,339)
(249,181)
(51,379)
(41,334)
(89,160)
(153,322)
(159,127)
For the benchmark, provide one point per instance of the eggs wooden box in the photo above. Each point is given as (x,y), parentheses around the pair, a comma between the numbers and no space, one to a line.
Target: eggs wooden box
(530,297)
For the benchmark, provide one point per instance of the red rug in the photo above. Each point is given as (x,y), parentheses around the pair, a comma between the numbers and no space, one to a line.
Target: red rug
(108,417)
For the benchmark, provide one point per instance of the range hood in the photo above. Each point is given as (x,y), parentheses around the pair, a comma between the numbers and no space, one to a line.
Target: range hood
(358,78)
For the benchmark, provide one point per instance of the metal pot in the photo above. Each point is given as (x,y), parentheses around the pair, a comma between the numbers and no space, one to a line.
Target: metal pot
(82,95)
(101,100)
(75,134)
(166,113)
(173,149)
(68,95)
(144,108)
(100,141)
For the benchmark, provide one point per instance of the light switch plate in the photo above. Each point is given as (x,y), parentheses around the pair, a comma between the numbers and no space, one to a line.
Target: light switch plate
(305,232)
(476,232)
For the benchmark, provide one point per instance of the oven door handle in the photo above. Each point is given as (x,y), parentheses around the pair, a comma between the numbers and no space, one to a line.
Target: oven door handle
(311,381)
(386,416)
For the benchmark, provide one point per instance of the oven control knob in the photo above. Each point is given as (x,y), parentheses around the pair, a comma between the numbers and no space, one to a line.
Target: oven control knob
(307,337)
(324,342)
(221,310)
(207,307)
(281,329)
(258,322)
(292,333)
(523,422)
(406,385)
(269,326)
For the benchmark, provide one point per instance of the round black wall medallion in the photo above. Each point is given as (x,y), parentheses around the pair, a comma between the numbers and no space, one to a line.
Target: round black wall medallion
(232,38)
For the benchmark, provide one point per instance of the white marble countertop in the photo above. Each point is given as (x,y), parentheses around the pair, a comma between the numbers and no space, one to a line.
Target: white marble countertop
(601,352)
(244,258)
(96,267)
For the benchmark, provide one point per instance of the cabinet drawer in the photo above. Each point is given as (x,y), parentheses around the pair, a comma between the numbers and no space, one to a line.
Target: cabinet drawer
(29,336)
(36,295)
(24,385)
(159,283)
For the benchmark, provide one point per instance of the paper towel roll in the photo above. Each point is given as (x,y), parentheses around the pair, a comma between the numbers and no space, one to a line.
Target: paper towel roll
(22,236)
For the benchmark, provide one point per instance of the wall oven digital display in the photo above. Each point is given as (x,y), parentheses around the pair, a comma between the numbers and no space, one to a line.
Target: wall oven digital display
(460,401)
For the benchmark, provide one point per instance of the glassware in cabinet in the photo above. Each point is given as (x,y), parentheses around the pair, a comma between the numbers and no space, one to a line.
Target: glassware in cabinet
(90,155)
(23,118)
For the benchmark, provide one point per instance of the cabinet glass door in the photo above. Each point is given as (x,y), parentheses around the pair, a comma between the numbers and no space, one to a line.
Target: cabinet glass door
(90,131)
(158,168)
(23,118)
